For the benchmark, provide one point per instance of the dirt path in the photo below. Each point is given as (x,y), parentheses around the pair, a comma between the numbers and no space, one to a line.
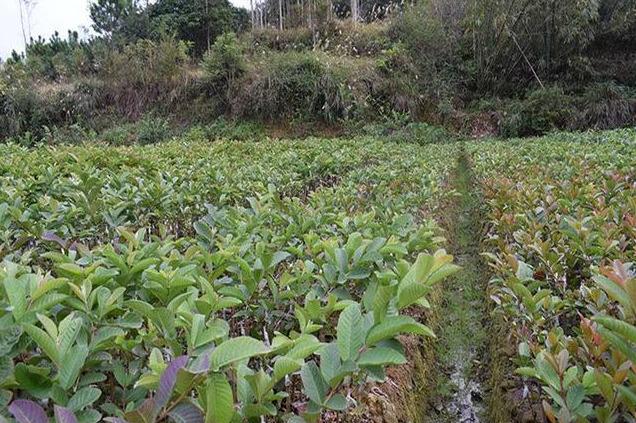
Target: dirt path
(458,390)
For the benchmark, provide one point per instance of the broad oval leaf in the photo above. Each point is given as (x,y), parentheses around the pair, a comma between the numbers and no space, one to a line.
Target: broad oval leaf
(219,400)
(350,335)
(186,412)
(395,325)
(236,349)
(25,411)
(315,386)
(64,415)
(381,356)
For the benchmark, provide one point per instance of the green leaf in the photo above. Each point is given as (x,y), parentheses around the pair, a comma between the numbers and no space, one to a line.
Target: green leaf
(285,366)
(304,346)
(350,336)
(381,356)
(329,361)
(32,380)
(84,398)
(71,366)
(411,294)
(44,341)
(546,372)
(613,290)
(381,299)
(575,396)
(314,384)
(103,335)
(236,349)
(426,272)
(618,343)
(69,329)
(6,368)
(16,290)
(527,371)
(623,328)
(629,396)
(395,325)
(48,324)
(219,400)
(605,384)
(337,402)
(47,286)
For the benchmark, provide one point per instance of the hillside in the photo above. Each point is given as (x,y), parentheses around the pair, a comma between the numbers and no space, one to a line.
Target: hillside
(337,76)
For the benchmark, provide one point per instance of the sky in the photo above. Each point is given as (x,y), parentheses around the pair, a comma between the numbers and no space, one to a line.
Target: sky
(47,17)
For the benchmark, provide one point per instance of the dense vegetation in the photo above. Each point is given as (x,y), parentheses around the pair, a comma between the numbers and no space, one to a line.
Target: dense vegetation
(168,252)
(561,214)
(478,67)
(126,271)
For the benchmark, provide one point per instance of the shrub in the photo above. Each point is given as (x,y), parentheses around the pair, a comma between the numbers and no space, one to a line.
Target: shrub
(119,135)
(292,85)
(233,130)
(298,39)
(149,130)
(26,106)
(72,134)
(223,65)
(56,58)
(152,130)
(398,128)
(428,49)
(542,111)
(347,38)
(146,73)
(397,88)
(605,106)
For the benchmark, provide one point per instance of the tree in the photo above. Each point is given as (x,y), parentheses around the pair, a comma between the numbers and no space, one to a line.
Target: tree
(516,40)
(197,21)
(109,16)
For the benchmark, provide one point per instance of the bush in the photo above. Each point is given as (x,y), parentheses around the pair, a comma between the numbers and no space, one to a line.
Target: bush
(223,65)
(347,38)
(542,111)
(56,58)
(297,39)
(232,130)
(149,130)
(145,74)
(292,85)
(398,128)
(72,134)
(397,88)
(152,130)
(341,37)
(605,106)
(26,106)
(119,135)
(428,51)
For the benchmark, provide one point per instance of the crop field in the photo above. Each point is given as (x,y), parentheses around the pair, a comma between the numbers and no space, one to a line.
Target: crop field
(220,269)
(562,244)
(220,282)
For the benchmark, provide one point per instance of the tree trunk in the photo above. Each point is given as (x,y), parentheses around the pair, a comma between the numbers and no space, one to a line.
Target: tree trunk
(252,13)
(207,20)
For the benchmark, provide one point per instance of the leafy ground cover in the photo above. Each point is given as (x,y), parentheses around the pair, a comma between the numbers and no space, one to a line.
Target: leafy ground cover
(562,246)
(220,282)
(191,281)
